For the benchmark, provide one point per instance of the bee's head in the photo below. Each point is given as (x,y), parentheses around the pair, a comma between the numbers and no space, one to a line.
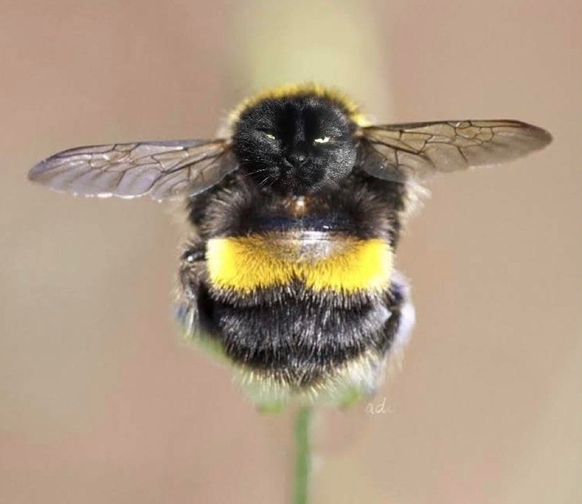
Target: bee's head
(296,144)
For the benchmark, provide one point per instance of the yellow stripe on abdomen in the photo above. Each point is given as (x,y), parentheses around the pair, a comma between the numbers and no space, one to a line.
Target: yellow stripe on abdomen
(248,263)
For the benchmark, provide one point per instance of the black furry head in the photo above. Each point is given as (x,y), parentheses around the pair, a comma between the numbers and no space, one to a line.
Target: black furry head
(296,145)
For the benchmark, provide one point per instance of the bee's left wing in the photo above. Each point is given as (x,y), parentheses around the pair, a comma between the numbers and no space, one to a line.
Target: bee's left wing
(160,169)
(402,151)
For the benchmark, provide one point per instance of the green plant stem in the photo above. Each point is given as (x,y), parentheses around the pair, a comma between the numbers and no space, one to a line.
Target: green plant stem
(303,455)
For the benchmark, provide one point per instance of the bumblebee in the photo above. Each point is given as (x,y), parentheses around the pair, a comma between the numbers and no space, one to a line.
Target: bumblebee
(295,218)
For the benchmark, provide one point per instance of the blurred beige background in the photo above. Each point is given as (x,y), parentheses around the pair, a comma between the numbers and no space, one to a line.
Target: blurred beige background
(99,399)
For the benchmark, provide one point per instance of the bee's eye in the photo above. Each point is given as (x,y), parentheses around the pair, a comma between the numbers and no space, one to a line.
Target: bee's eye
(321,140)
(269,135)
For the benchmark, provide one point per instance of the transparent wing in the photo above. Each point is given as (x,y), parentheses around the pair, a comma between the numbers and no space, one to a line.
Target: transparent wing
(400,151)
(161,169)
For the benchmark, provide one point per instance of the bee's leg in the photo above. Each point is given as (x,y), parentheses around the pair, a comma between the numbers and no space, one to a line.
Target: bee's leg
(398,327)
(194,306)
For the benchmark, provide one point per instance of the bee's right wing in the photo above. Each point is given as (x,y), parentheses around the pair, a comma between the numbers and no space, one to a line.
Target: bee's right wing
(162,170)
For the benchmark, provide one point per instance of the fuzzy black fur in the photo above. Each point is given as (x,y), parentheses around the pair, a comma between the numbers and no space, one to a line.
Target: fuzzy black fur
(361,205)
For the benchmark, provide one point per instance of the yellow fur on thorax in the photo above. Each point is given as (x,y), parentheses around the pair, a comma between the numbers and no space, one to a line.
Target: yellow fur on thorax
(244,264)
(293,90)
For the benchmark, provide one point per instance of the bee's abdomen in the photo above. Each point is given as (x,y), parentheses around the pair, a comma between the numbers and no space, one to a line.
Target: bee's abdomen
(297,342)
(296,305)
